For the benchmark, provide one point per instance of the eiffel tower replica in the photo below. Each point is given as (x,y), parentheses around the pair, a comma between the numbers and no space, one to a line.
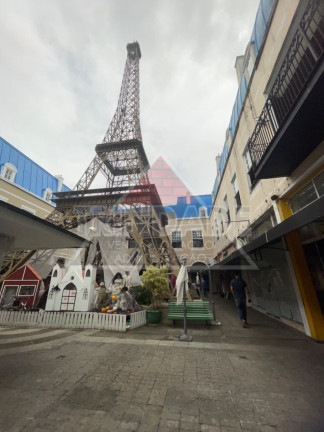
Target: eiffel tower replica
(128,199)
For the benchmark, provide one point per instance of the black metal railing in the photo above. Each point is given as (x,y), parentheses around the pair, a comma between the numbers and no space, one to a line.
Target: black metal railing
(302,59)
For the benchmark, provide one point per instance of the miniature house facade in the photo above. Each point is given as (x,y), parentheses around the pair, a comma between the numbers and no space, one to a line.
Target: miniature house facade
(72,289)
(23,285)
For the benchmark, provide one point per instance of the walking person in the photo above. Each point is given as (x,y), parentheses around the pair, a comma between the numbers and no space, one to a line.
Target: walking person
(204,287)
(240,290)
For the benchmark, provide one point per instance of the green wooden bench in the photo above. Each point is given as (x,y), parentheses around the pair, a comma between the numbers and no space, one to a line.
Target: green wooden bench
(196,310)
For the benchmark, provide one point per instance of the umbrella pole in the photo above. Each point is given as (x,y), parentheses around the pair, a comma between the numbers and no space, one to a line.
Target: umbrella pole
(185,337)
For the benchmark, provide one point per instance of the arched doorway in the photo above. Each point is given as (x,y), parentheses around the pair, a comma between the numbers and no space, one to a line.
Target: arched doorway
(197,271)
(68,297)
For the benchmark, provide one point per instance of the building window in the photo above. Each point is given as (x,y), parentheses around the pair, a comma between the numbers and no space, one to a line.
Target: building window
(8,171)
(131,243)
(228,215)
(203,212)
(309,193)
(221,220)
(216,230)
(176,239)
(248,166)
(47,195)
(85,294)
(237,197)
(197,239)
(8,294)
(88,273)
(27,290)
(55,274)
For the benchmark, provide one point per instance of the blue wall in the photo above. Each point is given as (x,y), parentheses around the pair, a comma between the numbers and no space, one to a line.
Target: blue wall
(29,175)
(260,24)
(184,210)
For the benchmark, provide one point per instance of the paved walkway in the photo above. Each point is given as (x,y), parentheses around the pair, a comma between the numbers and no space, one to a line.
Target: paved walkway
(267,377)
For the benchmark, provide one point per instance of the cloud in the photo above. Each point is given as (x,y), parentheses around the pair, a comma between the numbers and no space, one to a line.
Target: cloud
(62,66)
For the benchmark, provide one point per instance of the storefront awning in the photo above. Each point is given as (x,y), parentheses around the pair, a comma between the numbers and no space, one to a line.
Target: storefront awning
(305,216)
(20,230)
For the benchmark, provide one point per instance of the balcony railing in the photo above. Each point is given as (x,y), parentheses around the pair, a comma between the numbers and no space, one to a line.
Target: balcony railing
(302,59)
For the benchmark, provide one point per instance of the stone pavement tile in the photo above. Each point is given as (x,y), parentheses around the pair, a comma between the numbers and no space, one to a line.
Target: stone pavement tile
(191,410)
(172,408)
(166,429)
(230,429)
(209,418)
(132,417)
(268,418)
(207,405)
(212,346)
(209,428)
(300,427)
(226,413)
(172,424)
(166,343)
(189,426)
(144,427)
(157,397)
(181,344)
(127,426)
(166,414)
(152,342)
(150,419)
(271,428)
(118,411)
(35,429)
(189,418)
(196,345)
(141,400)
(107,424)
(250,425)
(230,422)
(152,415)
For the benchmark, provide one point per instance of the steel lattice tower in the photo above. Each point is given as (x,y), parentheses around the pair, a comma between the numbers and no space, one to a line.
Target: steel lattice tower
(128,199)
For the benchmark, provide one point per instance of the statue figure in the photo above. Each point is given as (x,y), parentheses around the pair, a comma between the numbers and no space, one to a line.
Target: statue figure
(127,280)
(102,296)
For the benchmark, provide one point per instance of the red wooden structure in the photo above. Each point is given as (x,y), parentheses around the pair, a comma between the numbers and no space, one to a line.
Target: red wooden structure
(23,285)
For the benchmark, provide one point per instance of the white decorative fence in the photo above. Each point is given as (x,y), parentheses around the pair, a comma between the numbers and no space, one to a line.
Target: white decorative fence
(72,320)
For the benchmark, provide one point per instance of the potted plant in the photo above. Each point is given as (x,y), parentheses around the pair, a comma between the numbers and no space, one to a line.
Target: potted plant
(156,280)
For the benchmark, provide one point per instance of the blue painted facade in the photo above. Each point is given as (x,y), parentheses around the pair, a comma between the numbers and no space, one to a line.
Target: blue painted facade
(183,210)
(30,176)
(260,24)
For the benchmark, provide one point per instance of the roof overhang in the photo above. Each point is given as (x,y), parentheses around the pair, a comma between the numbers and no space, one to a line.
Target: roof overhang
(311,213)
(20,230)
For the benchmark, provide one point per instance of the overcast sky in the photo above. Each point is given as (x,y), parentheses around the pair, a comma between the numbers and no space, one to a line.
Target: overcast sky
(61,67)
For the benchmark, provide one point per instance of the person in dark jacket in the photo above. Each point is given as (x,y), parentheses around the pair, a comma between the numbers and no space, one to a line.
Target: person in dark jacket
(239,291)
(204,287)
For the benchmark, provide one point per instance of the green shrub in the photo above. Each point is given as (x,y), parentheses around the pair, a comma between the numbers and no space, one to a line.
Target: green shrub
(142,295)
